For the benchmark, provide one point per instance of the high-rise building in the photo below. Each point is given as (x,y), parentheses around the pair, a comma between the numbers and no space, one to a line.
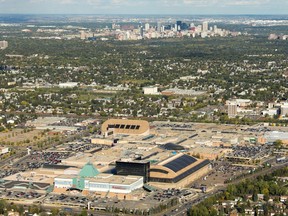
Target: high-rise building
(179,25)
(147,26)
(138,168)
(205,26)
(215,28)
(232,110)
(141,31)
(115,26)
(82,35)
(168,27)
(159,25)
(3,45)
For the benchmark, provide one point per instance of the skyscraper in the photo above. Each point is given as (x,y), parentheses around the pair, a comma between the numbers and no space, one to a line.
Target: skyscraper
(205,26)
(215,28)
(82,35)
(179,24)
(147,26)
(141,31)
(159,26)
(232,110)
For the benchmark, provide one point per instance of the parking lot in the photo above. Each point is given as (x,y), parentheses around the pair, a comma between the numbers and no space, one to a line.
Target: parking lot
(149,200)
(34,161)
(252,151)
(221,172)
(23,195)
(68,200)
(37,159)
(78,146)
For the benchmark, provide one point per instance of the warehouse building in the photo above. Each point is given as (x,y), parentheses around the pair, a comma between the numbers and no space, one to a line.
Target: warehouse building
(271,136)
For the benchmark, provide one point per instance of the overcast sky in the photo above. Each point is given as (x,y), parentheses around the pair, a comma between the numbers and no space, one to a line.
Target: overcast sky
(188,7)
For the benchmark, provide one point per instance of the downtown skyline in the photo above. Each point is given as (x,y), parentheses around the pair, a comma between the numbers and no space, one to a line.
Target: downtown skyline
(161,7)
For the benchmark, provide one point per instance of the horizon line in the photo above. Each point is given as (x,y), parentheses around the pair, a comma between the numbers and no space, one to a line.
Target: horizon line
(131,14)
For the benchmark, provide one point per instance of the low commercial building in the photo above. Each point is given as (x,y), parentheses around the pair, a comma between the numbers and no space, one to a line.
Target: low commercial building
(90,180)
(284,109)
(68,85)
(4,150)
(150,90)
(240,102)
(210,153)
(3,45)
(113,183)
(272,136)
(271,112)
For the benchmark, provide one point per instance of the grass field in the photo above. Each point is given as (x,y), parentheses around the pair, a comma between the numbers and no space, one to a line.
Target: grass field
(23,137)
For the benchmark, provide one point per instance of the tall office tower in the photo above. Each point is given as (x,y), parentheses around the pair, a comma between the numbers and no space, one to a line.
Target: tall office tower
(205,26)
(179,24)
(215,28)
(175,27)
(232,110)
(3,44)
(139,168)
(159,26)
(168,27)
(82,35)
(141,31)
(115,26)
(147,26)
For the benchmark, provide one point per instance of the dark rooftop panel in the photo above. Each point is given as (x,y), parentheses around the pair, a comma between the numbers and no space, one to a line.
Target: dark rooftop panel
(55,166)
(180,163)
(172,146)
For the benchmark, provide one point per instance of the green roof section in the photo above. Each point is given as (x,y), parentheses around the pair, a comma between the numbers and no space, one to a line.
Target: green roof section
(79,183)
(149,188)
(50,189)
(88,171)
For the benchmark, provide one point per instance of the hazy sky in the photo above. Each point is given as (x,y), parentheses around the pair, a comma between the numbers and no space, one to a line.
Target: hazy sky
(144,6)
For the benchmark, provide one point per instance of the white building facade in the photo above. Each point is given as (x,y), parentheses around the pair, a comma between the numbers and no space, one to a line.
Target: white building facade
(150,90)
(101,183)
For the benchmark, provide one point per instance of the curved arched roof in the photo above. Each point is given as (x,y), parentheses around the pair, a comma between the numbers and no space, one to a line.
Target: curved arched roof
(174,165)
(176,168)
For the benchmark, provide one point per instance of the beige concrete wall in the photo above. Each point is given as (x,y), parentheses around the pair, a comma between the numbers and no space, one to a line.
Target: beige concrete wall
(184,182)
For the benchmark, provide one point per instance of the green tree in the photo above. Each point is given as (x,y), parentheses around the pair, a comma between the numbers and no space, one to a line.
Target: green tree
(278,144)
